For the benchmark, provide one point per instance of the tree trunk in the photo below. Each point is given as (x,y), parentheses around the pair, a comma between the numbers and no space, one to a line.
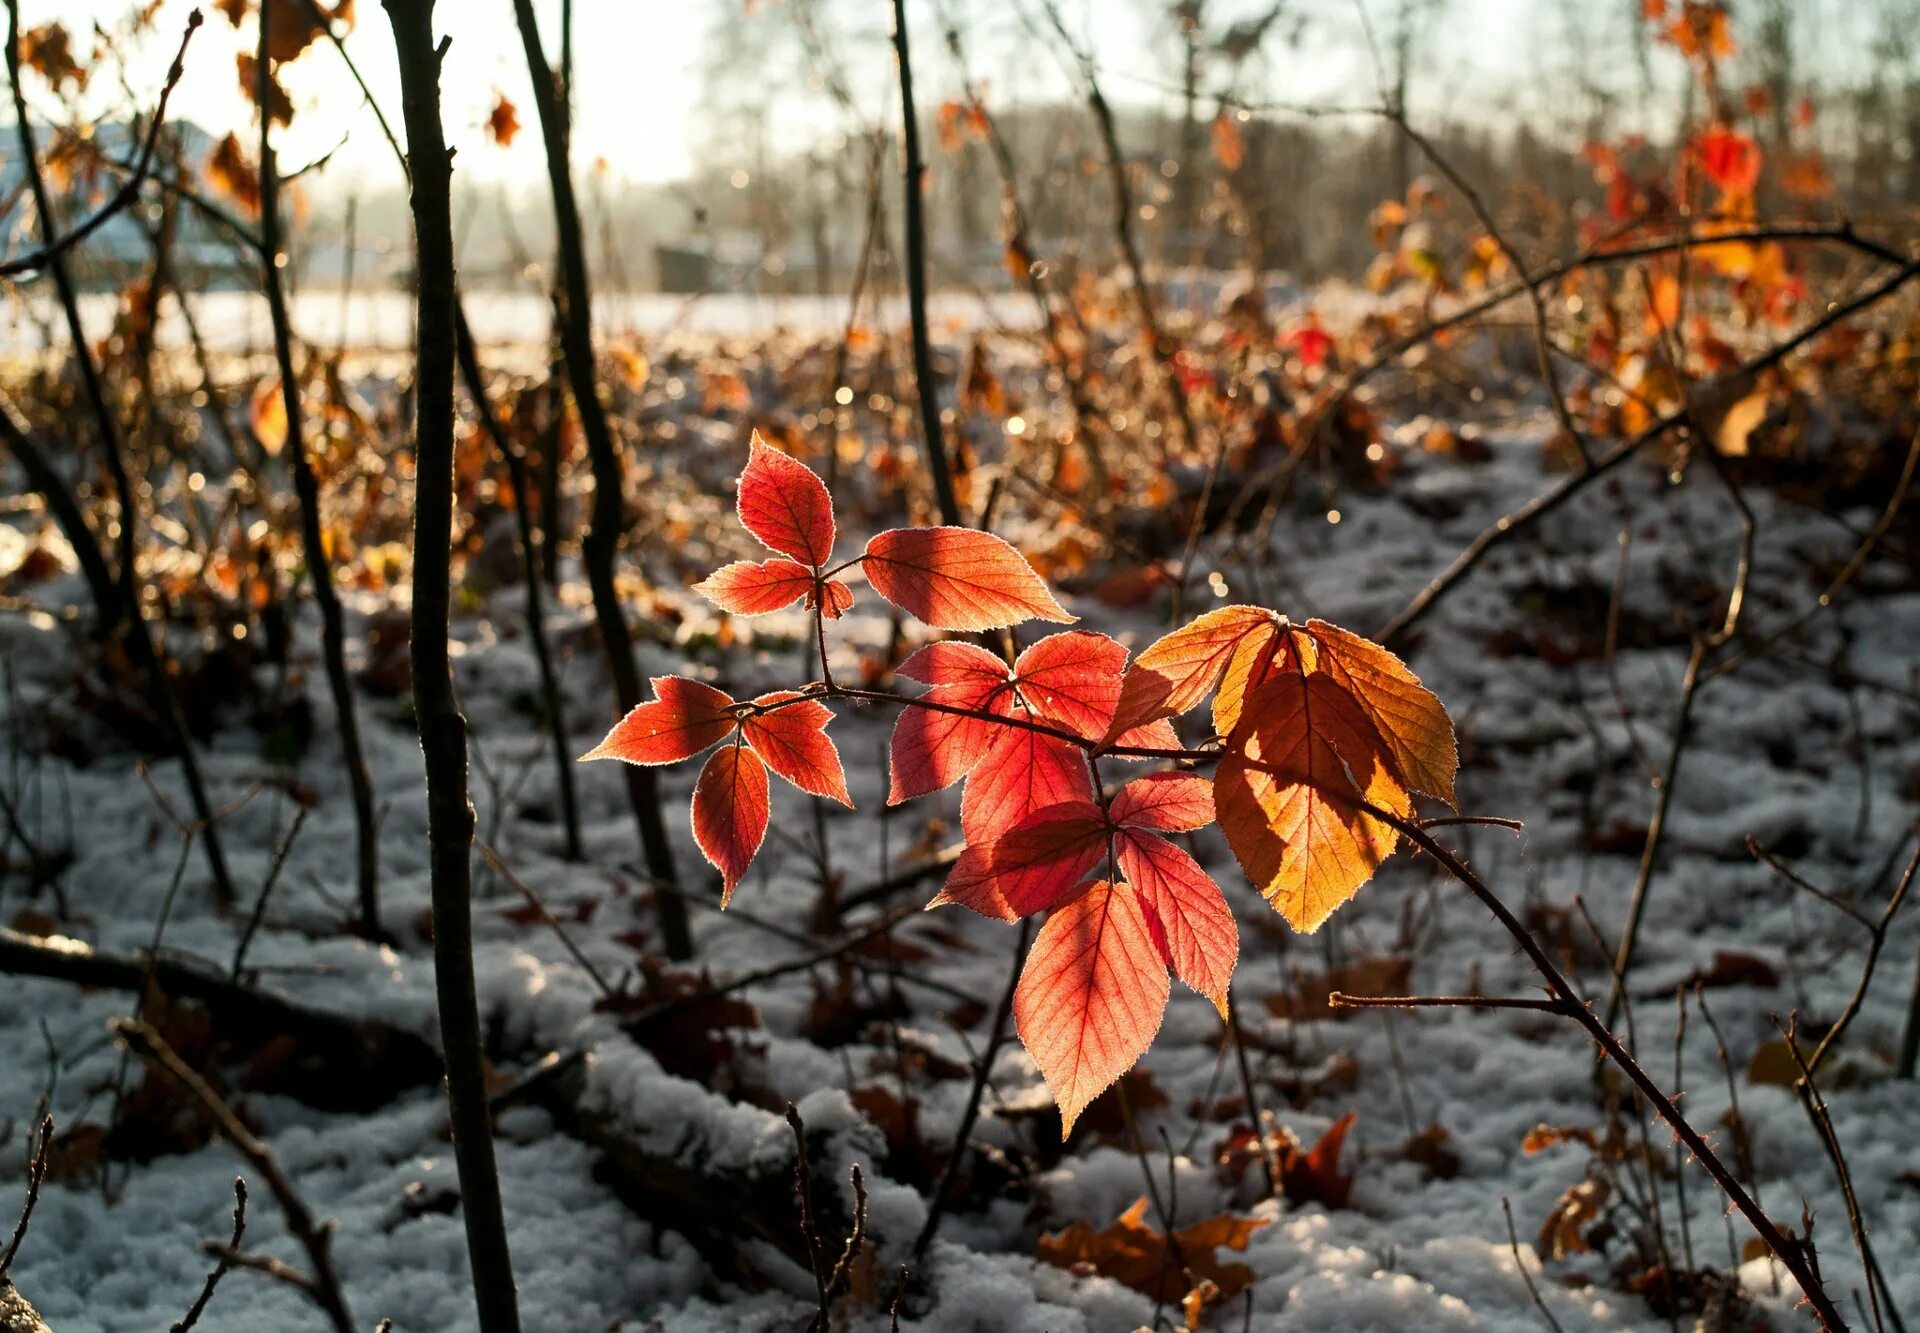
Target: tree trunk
(602,542)
(443,731)
(333,636)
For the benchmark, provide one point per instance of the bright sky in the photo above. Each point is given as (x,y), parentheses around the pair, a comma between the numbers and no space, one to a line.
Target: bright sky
(643,103)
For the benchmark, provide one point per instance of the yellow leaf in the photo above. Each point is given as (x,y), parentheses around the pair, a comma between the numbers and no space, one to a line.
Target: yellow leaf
(1286,795)
(268,416)
(1411,721)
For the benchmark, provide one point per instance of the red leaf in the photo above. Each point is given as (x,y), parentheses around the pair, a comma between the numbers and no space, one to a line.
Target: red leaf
(1155,735)
(1091,995)
(1730,159)
(785,505)
(957,579)
(684,718)
(750,588)
(839,600)
(1169,802)
(932,749)
(793,740)
(730,813)
(1189,917)
(1177,672)
(1072,680)
(1033,867)
(1021,771)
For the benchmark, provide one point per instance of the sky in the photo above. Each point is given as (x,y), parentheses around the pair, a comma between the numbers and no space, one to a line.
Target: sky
(647,104)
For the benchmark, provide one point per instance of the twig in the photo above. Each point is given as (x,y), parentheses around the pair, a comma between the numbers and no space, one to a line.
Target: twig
(266,891)
(36,1176)
(982,1071)
(514,882)
(223,1261)
(1816,1108)
(912,184)
(1513,1240)
(315,1238)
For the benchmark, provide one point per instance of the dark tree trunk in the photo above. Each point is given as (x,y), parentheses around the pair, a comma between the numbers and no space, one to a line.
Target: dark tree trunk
(333,645)
(443,731)
(602,542)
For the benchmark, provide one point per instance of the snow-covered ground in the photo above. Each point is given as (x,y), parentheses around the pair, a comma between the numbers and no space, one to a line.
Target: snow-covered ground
(1780,752)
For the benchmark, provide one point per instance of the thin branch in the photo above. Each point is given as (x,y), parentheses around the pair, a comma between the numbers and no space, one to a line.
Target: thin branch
(316,1238)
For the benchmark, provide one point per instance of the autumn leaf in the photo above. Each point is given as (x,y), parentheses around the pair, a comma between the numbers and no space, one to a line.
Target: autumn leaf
(267,416)
(48,51)
(931,748)
(1229,146)
(754,588)
(1176,672)
(1286,802)
(730,813)
(1730,159)
(1033,867)
(684,718)
(1072,680)
(957,579)
(785,505)
(1137,1255)
(1410,719)
(1165,802)
(1022,770)
(232,175)
(792,738)
(503,122)
(1090,996)
(1187,915)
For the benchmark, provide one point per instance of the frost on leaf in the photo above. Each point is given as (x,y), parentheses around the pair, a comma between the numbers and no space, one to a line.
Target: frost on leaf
(957,579)
(753,588)
(785,505)
(1091,995)
(684,718)
(1287,792)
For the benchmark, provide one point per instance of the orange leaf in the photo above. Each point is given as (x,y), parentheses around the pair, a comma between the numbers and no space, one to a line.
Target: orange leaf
(1072,680)
(503,122)
(793,740)
(684,718)
(1229,146)
(267,415)
(785,505)
(1410,719)
(1266,652)
(1091,995)
(1135,1254)
(1178,671)
(753,588)
(1285,799)
(957,579)
(730,813)
(1186,912)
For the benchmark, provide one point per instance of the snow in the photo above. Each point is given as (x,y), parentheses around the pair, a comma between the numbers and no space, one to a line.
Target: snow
(1773,756)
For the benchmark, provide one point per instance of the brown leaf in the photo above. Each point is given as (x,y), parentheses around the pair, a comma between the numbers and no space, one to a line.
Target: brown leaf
(1135,1254)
